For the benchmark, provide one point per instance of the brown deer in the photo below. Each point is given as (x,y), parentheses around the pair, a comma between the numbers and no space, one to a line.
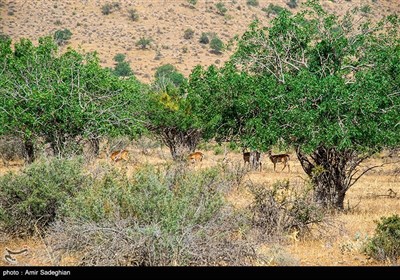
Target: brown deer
(119,155)
(196,156)
(253,159)
(283,158)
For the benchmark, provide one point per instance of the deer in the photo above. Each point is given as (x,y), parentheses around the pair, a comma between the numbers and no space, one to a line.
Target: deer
(196,156)
(119,155)
(253,159)
(283,158)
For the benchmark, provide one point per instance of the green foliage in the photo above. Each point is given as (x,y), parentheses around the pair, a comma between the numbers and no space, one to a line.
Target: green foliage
(253,3)
(168,216)
(62,36)
(31,200)
(133,15)
(143,42)
(60,97)
(119,57)
(172,199)
(385,244)
(188,34)
(221,9)
(192,2)
(204,38)
(216,44)
(123,69)
(167,74)
(109,8)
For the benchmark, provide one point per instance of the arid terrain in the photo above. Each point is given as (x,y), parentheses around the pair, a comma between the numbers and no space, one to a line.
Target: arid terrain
(339,244)
(162,21)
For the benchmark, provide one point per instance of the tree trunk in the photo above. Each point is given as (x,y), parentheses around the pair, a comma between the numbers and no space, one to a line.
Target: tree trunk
(29,151)
(180,143)
(331,173)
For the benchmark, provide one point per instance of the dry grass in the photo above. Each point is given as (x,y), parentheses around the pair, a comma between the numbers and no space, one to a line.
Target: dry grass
(338,245)
(163,21)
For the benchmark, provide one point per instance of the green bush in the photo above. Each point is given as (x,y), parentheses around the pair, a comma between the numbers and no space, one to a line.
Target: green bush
(272,9)
(119,57)
(221,9)
(168,73)
(143,42)
(31,199)
(204,38)
(169,216)
(62,36)
(123,69)
(385,244)
(216,45)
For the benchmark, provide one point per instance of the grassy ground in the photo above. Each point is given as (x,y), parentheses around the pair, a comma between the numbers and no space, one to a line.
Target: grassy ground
(338,245)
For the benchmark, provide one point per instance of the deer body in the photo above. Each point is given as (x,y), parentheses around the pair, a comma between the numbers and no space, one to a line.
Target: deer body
(196,156)
(119,155)
(280,158)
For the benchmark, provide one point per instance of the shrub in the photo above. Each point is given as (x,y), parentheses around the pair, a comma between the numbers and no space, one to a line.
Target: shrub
(253,3)
(143,42)
(221,9)
(192,2)
(216,45)
(385,244)
(188,34)
(366,9)
(133,14)
(62,36)
(204,38)
(11,148)
(109,8)
(31,199)
(159,217)
(283,208)
(168,73)
(120,57)
(123,69)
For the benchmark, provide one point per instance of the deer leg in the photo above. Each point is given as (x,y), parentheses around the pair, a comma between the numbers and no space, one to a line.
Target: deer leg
(284,165)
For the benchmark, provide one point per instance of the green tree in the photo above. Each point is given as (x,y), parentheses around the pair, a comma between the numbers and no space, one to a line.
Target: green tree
(314,81)
(60,97)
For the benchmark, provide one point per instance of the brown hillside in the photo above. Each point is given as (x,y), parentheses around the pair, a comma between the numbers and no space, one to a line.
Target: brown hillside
(162,21)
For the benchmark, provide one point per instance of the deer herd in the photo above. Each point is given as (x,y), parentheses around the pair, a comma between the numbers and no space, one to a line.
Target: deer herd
(251,159)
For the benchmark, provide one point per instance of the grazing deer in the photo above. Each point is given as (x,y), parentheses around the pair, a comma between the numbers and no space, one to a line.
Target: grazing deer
(253,159)
(196,156)
(283,158)
(119,155)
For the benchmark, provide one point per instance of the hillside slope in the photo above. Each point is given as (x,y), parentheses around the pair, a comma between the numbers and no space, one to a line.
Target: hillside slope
(162,21)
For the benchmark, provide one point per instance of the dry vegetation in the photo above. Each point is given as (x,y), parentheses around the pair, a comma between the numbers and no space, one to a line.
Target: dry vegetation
(338,242)
(162,21)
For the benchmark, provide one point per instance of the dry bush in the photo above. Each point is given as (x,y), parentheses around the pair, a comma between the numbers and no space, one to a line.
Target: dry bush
(164,216)
(283,208)
(11,148)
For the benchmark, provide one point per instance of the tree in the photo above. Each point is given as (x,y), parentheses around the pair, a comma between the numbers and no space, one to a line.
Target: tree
(170,117)
(167,74)
(317,82)
(61,97)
